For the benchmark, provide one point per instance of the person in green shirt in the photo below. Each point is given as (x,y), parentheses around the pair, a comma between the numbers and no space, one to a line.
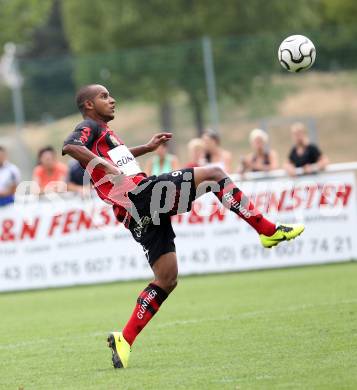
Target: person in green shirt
(162,162)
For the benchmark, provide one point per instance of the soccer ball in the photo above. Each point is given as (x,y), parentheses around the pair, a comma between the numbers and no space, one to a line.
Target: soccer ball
(297,53)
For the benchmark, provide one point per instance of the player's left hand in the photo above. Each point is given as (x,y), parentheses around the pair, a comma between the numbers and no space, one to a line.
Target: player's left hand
(157,140)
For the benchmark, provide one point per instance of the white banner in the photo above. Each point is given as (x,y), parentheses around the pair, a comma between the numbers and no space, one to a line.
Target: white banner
(68,242)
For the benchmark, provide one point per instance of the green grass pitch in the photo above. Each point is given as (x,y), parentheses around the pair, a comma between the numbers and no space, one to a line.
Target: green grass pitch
(277,329)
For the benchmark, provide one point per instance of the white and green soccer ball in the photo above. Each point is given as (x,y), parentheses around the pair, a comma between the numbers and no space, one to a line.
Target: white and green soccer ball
(297,53)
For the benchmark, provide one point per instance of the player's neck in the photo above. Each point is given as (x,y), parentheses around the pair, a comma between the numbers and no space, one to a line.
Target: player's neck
(95,117)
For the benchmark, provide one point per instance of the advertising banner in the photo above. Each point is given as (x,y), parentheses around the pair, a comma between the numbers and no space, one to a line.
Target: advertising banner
(62,242)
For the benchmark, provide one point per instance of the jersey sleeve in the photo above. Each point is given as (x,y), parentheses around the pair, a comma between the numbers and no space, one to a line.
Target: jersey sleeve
(83,135)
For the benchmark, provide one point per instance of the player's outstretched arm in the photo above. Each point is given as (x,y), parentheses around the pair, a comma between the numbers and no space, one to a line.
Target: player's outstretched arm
(152,145)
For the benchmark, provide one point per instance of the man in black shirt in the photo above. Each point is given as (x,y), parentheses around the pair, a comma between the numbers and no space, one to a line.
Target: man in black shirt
(304,154)
(78,179)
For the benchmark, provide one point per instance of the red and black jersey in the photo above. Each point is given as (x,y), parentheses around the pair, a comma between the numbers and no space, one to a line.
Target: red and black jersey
(100,139)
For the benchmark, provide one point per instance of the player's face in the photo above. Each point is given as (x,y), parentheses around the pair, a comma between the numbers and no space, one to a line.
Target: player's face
(104,104)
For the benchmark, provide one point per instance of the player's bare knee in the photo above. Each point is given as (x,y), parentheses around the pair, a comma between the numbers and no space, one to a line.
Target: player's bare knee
(216,173)
(169,282)
(173,284)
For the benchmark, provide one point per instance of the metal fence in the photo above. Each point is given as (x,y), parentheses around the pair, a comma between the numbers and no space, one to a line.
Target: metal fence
(232,84)
(243,66)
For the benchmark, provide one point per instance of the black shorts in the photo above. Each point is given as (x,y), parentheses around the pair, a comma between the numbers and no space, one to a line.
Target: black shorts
(155,200)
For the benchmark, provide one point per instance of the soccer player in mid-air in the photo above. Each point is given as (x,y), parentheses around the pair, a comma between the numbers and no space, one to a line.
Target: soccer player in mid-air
(145,204)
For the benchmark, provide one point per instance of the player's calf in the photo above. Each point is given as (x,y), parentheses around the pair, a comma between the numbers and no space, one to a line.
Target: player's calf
(166,271)
(235,200)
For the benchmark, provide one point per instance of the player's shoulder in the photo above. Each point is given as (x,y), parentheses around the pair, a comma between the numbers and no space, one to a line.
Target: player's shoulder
(88,123)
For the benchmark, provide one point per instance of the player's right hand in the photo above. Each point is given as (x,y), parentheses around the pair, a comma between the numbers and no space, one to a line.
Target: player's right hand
(111,169)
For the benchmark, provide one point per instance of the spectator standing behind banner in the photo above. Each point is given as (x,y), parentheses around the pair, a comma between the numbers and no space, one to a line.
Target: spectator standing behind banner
(49,174)
(9,178)
(162,162)
(304,154)
(261,158)
(197,153)
(215,154)
(78,180)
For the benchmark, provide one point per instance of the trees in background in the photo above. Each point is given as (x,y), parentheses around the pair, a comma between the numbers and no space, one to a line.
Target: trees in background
(161,70)
(48,68)
(36,26)
(18,19)
(152,49)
